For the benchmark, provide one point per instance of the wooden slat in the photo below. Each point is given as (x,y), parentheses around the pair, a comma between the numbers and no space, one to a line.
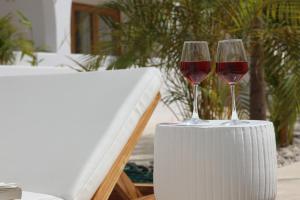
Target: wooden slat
(145,188)
(149,197)
(116,170)
(126,189)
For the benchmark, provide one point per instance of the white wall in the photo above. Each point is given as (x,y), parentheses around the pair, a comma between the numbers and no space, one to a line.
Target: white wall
(51,21)
(63,25)
(59,60)
(49,59)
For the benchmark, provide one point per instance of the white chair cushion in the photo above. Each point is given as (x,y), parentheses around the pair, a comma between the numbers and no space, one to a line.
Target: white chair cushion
(12,70)
(60,134)
(37,196)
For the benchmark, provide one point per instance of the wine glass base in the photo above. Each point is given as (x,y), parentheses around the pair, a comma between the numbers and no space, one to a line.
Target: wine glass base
(235,122)
(193,121)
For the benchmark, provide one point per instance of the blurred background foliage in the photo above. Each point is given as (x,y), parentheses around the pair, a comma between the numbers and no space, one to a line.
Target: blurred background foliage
(12,39)
(152,33)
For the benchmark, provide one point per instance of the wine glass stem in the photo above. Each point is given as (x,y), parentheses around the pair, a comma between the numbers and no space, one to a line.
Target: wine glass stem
(234,115)
(195,104)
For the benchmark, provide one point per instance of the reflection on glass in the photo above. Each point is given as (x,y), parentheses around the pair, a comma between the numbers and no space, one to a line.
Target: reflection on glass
(104,31)
(83,34)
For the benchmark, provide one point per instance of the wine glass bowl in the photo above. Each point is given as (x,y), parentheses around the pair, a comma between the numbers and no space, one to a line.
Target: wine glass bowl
(231,66)
(195,65)
(232,72)
(195,71)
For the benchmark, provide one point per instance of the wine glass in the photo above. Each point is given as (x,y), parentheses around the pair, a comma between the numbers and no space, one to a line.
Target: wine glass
(232,65)
(195,66)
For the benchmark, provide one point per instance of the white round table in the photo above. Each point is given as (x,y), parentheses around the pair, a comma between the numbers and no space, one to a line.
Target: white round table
(215,162)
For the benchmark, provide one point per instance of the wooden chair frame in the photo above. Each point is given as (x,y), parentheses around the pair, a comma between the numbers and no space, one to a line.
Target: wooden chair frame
(115,177)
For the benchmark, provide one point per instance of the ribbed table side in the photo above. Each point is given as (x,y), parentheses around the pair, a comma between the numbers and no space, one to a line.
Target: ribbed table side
(236,163)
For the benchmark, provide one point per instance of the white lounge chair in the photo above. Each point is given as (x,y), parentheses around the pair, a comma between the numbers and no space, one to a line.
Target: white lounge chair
(68,136)
(14,70)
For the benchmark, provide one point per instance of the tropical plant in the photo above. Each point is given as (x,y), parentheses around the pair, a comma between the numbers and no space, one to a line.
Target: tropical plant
(269,28)
(11,39)
(153,35)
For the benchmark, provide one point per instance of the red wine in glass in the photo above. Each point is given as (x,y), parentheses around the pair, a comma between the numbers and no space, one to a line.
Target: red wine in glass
(232,71)
(232,66)
(195,66)
(195,71)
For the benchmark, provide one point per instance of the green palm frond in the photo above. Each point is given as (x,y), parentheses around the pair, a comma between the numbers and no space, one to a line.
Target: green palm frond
(87,63)
(274,25)
(157,29)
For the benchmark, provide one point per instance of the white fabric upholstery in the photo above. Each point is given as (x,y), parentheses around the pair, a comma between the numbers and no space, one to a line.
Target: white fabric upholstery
(13,70)
(60,134)
(37,196)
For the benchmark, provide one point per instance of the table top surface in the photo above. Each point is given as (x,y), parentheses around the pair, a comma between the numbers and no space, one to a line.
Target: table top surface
(219,124)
